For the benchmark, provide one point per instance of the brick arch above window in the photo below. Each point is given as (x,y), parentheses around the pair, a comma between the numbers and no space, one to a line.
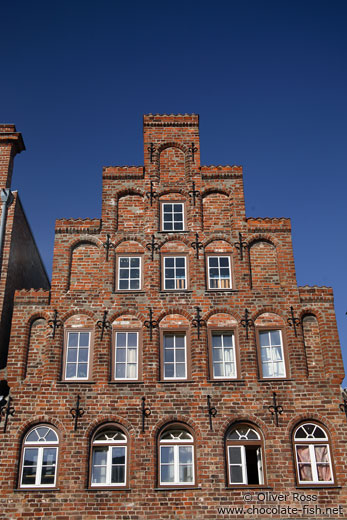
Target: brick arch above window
(216,212)
(216,245)
(219,319)
(130,211)
(85,267)
(264,264)
(129,246)
(173,321)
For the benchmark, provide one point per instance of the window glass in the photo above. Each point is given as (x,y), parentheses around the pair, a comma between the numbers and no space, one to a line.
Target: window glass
(313,459)
(173,216)
(272,355)
(109,452)
(219,272)
(244,453)
(129,273)
(175,358)
(175,272)
(39,458)
(176,458)
(77,355)
(126,355)
(223,355)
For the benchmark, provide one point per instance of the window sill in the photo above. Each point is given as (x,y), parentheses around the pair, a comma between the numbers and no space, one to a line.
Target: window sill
(130,291)
(174,381)
(318,486)
(126,382)
(76,382)
(274,379)
(244,486)
(177,488)
(107,488)
(221,290)
(225,380)
(37,489)
(174,291)
(177,231)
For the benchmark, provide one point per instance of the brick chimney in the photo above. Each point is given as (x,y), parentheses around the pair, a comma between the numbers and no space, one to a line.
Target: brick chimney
(11,143)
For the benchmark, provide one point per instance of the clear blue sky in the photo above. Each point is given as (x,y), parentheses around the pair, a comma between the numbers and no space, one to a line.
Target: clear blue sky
(268,79)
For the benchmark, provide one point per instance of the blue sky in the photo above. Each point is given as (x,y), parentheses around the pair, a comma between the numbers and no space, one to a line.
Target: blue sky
(268,78)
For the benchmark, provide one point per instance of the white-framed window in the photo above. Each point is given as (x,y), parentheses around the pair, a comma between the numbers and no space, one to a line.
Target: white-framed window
(175,356)
(272,354)
(223,355)
(109,458)
(175,272)
(244,455)
(77,355)
(176,458)
(39,458)
(129,273)
(172,216)
(312,455)
(219,272)
(126,355)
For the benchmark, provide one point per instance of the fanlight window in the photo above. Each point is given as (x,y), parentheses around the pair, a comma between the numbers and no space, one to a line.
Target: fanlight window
(312,455)
(39,458)
(245,456)
(109,458)
(176,458)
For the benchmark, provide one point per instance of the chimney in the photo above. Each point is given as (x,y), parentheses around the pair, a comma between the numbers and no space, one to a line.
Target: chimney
(11,143)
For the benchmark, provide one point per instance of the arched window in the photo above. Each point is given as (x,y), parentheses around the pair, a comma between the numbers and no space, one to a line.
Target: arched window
(39,457)
(109,457)
(244,456)
(312,455)
(176,457)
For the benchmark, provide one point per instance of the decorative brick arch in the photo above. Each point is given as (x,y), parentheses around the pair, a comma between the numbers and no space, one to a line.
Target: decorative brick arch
(129,238)
(216,210)
(175,238)
(269,310)
(307,417)
(174,310)
(219,238)
(249,418)
(211,189)
(168,191)
(28,334)
(76,312)
(222,310)
(103,420)
(73,246)
(126,311)
(264,262)
(135,192)
(186,158)
(176,418)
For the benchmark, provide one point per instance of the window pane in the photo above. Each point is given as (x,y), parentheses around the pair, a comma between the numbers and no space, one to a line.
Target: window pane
(167,473)
(264,339)
(236,474)
(180,341)
(169,370)
(224,261)
(73,339)
(186,473)
(120,354)
(132,339)
(82,370)
(83,355)
(120,370)
(47,475)
(99,475)
(169,355)
(70,370)
(275,337)
(123,284)
(121,339)
(217,340)
(84,339)
(180,261)
(235,455)
(124,262)
(185,454)
(218,370)
(131,371)
(167,454)
(135,262)
(169,341)
(29,475)
(229,370)
(30,456)
(72,354)
(180,355)
(118,475)
(213,261)
(132,355)
(118,455)
(49,456)
(169,262)
(217,354)
(99,456)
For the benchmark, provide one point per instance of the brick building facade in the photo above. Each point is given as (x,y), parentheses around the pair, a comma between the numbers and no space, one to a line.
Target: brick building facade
(21,266)
(174,322)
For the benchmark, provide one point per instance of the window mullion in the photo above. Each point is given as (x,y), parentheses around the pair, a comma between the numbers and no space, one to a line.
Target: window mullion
(39,467)
(313,463)
(244,465)
(176,464)
(108,465)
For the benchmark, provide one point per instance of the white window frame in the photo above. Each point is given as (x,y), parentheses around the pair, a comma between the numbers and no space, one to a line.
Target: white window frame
(180,443)
(219,288)
(172,213)
(129,257)
(234,362)
(243,465)
(126,332)
(109,444)
(175,278)
(313,442)
(40,447)
(273,361)
(242,443)
(174,362)
(76,377)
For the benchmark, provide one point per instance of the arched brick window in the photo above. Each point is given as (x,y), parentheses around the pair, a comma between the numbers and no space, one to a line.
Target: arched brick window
(176,456)
(109,457)
(312,454)
(245,456)
(39,457)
